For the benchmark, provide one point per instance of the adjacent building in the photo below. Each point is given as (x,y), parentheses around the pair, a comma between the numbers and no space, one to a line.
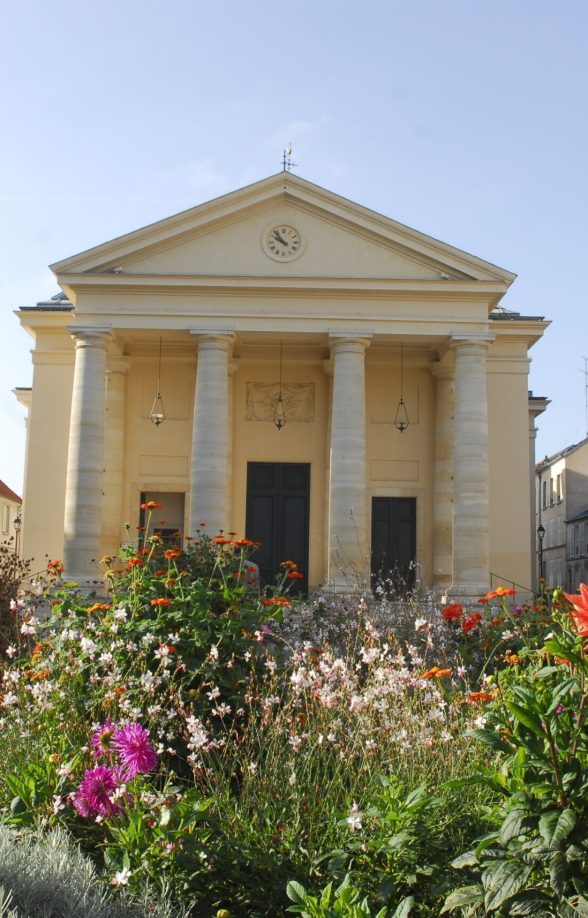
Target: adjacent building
(167,366)
(10,515)
(562,514)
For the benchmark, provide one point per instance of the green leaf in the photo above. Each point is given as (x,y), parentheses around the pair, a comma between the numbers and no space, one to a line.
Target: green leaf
(405,908)
(555,826)
(465,895)
(530,721)
(296,892)
(516,823)
(504,882)
(467,859)
(490,738)
(558,873)
(529,902)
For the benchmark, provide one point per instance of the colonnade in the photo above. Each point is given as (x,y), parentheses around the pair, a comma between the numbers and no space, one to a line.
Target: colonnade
(460,500)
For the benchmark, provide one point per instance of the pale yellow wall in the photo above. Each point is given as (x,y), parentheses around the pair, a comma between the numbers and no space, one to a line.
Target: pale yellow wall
(508,430)
(402,464)
(157,458)
(303,441)
(48,429)
(328,250)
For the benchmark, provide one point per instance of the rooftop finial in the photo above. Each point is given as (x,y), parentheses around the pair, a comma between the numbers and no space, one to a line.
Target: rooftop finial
(287,159)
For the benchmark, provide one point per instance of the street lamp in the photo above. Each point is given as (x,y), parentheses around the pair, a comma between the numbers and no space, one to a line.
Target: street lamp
(541,536)
(17,527)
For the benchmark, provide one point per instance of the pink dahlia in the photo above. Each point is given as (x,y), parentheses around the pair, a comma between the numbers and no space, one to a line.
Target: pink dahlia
(94,793)
(136,753)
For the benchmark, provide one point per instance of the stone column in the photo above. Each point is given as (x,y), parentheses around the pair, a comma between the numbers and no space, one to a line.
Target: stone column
(210,435)
(348,547)
(471,506)
(112,507)
(85,458)
(443,482)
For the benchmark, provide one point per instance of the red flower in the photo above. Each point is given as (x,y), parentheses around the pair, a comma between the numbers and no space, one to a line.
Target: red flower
(295,575)
(278,601)
(452,612)
(172,553)
(479,697)
(151,505)
(580,611)
(135,562)
(161,602)
(471,621)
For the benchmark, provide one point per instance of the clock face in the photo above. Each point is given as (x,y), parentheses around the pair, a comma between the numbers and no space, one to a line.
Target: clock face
(282,242)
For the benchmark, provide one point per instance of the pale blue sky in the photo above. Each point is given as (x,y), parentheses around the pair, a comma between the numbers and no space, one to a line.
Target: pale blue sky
(466,119)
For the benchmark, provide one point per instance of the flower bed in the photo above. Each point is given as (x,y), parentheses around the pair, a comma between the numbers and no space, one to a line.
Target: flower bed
(231,753)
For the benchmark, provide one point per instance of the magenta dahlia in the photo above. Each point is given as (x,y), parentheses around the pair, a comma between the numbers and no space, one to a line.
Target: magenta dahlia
(93,797)
(137,755)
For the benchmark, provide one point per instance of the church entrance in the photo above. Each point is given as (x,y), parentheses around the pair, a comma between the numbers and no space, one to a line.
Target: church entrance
(278,506)
(393,543)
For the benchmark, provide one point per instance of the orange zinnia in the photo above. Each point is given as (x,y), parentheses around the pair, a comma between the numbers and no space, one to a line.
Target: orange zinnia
(436,673)
(151,505)
(580,611)
(278,601)
(161,602)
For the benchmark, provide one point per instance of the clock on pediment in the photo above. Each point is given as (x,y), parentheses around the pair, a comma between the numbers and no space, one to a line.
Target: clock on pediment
(282,242)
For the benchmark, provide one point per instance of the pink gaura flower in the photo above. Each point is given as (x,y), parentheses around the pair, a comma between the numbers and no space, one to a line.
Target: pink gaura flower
(136,753)
(94,793)
(102,738)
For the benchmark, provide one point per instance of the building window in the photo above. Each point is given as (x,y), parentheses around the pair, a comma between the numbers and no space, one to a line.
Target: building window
(559,489)
(5,518)
(544,494)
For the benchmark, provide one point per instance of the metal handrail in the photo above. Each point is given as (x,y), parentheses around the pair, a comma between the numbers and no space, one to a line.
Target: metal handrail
(508,580)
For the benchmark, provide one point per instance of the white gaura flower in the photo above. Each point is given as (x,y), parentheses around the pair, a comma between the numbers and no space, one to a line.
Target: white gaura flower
(10,651)
(122,877)
(354,818)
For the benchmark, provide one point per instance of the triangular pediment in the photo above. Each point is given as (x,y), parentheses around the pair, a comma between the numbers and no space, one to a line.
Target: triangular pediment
(228,237)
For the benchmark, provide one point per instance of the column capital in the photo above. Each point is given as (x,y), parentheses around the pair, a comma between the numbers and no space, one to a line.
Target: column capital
(355,344)
(443,370)
(473,344)
(90,335)
(118,364)
(220,335)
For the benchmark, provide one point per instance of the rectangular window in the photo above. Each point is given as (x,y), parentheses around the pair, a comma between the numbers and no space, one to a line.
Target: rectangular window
(544,494)
(5,518)
(551,492)
(559,489)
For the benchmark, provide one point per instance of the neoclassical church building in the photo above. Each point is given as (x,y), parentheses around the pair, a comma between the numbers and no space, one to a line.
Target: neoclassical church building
(287,365)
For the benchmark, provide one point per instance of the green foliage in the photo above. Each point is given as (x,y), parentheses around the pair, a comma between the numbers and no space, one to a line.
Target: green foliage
(14,570)
(344,901)
(536,861)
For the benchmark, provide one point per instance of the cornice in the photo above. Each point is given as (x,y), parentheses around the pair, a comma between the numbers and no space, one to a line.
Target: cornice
(268,285)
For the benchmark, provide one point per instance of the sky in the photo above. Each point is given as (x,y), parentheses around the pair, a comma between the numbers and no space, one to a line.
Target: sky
(465,119)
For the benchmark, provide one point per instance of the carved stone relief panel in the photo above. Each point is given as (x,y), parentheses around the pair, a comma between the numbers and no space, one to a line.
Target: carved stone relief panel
(261,401)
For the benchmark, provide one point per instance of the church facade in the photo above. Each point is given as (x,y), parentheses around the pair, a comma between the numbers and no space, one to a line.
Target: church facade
(332,383)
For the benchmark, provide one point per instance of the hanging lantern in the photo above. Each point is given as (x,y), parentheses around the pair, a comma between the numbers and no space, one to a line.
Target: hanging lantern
(401,420)
(280,408)
(157,415)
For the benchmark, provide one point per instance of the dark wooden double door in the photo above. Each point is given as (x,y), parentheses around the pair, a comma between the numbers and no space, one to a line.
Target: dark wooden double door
(393,543)
(278,508)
